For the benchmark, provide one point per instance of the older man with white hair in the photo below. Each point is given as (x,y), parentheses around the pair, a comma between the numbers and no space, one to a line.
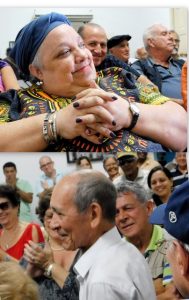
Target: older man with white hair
(160,67)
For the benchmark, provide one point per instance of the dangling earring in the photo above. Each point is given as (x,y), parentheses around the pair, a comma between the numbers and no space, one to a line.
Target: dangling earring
(40,82)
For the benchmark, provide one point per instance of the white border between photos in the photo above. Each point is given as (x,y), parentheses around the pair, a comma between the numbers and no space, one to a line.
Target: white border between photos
(94,3)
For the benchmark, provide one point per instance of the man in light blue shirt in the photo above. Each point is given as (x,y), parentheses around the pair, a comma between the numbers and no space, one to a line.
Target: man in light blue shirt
(49,177)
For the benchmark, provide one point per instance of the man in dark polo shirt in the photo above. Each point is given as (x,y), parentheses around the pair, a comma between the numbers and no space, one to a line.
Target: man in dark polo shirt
(160,67)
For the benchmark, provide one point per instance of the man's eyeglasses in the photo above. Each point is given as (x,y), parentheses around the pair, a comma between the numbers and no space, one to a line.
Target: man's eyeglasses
(4,205)
(45,165)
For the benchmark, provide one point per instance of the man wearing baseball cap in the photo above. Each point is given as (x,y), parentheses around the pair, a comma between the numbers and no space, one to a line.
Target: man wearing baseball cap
(118,45)
(128,161)
(176,222)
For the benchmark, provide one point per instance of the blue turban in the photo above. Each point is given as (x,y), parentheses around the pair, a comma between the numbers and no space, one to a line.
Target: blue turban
(31,36)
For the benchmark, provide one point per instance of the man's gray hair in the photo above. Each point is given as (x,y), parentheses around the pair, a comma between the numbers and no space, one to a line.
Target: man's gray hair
(150,32)
(81,29)
(96,187)
(126,186)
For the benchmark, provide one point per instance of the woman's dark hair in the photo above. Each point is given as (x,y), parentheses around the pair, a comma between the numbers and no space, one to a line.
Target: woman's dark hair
(7,191)
(9,164)
(43,205)
(78,161)
(158,168)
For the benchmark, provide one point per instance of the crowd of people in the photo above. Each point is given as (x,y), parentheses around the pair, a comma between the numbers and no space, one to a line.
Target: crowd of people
(114,232)
(84,212)
(72,107)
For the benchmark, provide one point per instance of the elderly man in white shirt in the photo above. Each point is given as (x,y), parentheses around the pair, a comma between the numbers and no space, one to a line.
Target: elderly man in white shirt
(84,209)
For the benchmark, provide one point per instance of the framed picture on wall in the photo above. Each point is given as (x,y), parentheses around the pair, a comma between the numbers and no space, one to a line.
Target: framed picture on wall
(73,156)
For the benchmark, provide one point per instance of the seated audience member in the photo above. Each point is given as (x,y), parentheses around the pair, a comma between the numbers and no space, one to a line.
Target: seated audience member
(15,284)
(84,162)
(129,165)
(49,177)
(180,172)
(106,113)
(184,84)
(7,77)
(177,225)
(160,181)
(145,161)
(111,166)
(118,46)
(56,278)
(141,53)
(133,208)
(159,66)
(14,234)
(176,42)
(95,40)
(87,200)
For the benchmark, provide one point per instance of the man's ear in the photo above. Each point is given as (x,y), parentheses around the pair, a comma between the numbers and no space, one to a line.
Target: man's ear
(149,207)
(36,72)
(151,42)
(95,214)
(182,259)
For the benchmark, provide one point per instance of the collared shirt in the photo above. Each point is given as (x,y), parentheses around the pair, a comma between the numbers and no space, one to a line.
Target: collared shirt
(170,77)
(178,177)
(51,182)
(141,178)
(25,210)
(112,269)
(156,259)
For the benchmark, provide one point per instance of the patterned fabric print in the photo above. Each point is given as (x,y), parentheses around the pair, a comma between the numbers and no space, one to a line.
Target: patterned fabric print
(49,290)
(34,101)
(124,141)
(4,112)
(149,94)
(116,80)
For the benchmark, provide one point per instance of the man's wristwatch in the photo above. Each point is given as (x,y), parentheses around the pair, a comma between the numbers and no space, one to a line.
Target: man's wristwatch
(135,115)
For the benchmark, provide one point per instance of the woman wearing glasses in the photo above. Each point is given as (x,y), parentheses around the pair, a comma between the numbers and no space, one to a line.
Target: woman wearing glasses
(14,233)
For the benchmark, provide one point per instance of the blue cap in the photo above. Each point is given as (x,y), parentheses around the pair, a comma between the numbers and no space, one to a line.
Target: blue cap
(31,36)
(176,218)
(157,216)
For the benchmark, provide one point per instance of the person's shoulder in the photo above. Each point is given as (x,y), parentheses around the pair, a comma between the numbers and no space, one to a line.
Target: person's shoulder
(118,179)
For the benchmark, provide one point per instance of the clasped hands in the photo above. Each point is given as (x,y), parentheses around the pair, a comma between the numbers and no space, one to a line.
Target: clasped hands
(94,114)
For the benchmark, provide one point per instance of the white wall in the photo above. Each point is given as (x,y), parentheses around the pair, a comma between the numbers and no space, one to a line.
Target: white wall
(28,167)
(115,20)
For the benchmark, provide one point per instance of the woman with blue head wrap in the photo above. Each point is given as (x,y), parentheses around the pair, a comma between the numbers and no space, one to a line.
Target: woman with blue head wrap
(78,111)
(31,36)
